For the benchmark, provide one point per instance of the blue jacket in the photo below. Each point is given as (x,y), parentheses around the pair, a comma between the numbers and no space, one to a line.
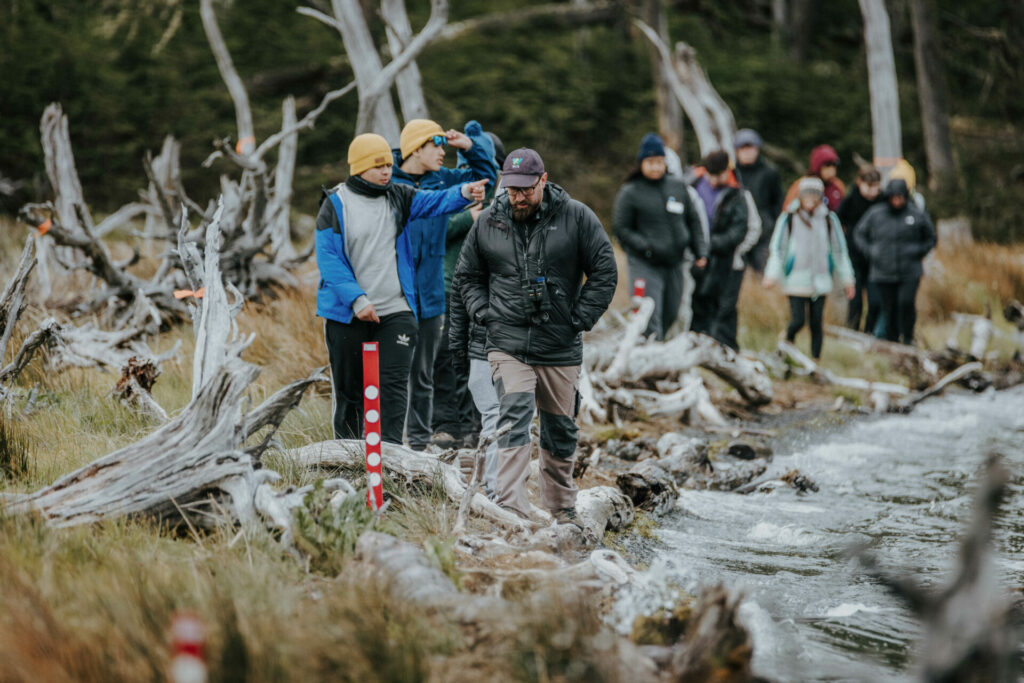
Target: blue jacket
(339,287)
(427,235)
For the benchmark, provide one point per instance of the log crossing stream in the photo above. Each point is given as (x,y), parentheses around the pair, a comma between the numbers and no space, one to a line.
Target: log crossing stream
(901,484)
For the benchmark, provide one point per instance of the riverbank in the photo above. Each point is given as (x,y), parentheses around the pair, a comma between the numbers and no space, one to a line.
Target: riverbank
(94,603)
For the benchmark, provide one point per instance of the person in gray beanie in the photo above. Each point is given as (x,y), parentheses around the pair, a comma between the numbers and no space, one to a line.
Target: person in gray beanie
(760,177)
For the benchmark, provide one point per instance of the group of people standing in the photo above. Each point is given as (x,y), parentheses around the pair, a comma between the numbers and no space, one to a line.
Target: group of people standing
(478,291)
(691,234)
(404,241)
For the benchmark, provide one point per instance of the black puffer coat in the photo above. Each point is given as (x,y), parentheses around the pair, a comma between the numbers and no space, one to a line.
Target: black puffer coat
(502,259)
(464,335)
(656,221)
(895,242)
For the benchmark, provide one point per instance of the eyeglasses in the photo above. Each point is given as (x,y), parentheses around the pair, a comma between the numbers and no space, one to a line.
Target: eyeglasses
(439,140)
(523,191)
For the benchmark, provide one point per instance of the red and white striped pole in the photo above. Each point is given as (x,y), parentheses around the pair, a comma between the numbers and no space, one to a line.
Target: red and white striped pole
(371,424)
(188,641)
(639,289)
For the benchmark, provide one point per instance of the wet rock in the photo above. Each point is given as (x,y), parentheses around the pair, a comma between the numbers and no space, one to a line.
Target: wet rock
(637,449)
(749,450)
(799,481)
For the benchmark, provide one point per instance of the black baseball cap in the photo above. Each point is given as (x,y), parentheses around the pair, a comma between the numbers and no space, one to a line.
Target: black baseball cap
(522,167)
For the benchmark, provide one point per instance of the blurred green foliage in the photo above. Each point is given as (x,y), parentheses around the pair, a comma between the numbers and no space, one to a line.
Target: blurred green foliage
(130,71)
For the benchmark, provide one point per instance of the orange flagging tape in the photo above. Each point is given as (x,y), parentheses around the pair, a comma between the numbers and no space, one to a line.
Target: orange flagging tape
(44,227)
(243,142)
(182,293)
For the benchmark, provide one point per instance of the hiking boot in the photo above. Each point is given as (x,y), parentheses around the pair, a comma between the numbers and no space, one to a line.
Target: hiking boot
(567,516)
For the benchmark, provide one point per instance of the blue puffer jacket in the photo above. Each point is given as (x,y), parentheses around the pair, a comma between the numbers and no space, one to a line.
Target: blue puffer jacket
(427,235)
(339,287)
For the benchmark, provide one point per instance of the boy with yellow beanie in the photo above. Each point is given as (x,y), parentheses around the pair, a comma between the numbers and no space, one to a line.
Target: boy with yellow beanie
(419,163)
(367,288)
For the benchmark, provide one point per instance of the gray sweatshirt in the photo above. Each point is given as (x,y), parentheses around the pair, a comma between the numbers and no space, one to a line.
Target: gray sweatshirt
(370,233)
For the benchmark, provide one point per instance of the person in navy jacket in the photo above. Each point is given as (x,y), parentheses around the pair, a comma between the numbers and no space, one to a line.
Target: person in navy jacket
(418,163)
(367,280)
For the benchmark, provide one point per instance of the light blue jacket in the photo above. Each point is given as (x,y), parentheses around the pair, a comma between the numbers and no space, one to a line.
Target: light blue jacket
(789,238)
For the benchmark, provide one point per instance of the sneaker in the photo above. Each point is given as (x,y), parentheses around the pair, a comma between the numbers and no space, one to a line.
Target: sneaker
(567,516)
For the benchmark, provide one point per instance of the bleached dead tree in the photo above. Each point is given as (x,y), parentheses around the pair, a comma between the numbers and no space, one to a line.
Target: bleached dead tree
(243,112)
(670,115)
(931,93)
(196,465)
(373,79)
(408,82)
(711,118)
(885,100)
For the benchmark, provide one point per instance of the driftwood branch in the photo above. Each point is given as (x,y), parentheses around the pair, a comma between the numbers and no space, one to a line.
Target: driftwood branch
(551,15)
(243,112)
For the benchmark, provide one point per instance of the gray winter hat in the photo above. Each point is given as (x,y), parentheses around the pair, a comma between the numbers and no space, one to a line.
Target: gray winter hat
(747,136)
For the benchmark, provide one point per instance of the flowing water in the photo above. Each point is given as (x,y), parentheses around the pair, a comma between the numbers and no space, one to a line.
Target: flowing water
(902,485)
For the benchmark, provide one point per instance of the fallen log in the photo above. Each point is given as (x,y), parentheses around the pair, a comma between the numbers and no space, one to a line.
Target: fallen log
(812,369)
(412,467)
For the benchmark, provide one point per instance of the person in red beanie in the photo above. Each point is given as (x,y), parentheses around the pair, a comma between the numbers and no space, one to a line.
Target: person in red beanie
(824,164)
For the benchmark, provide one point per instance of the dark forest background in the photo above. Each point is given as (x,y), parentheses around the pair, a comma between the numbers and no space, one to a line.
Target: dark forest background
(128,72)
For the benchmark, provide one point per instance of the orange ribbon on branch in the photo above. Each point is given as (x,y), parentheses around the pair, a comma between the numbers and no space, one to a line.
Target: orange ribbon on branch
(243,143)
(44,227)
(182,293)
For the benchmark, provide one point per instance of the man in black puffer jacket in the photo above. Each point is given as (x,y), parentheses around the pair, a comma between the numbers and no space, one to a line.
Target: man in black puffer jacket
(895,237)
(520,274)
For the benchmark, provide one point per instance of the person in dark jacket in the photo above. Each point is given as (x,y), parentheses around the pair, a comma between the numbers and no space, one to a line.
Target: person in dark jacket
(418,163)
(367,280)
(521,274)
(456,419)
(467,342)
(895,237)
(656,222)
(865,193)
(761,179)
(714,302)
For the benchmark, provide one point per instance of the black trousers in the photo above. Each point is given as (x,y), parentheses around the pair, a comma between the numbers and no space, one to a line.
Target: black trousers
(863,289)
(665,286)
(900,309)
(454,411)
(421,382)
(397,336)
(798,305)
(714,302)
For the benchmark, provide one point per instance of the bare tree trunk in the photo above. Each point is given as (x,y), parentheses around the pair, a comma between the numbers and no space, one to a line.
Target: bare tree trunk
(885,100)
(165,175)
(279,205)
(243,113)
(366,64)
(710,116)
(780,22)
(408,82)
(802,15)
(68,199)
(931,92)
(670,115)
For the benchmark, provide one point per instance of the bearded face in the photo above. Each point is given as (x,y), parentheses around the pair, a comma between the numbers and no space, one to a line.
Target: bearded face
(525,201)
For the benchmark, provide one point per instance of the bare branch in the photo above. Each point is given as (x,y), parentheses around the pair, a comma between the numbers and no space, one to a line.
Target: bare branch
(243,112)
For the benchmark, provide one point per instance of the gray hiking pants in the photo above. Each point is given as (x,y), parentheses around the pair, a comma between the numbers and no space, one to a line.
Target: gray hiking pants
(551,390)
(486,399)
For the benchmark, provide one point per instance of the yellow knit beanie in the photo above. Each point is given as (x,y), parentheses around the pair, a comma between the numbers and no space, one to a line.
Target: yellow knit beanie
(415,133)
(904,171)
(367,151)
